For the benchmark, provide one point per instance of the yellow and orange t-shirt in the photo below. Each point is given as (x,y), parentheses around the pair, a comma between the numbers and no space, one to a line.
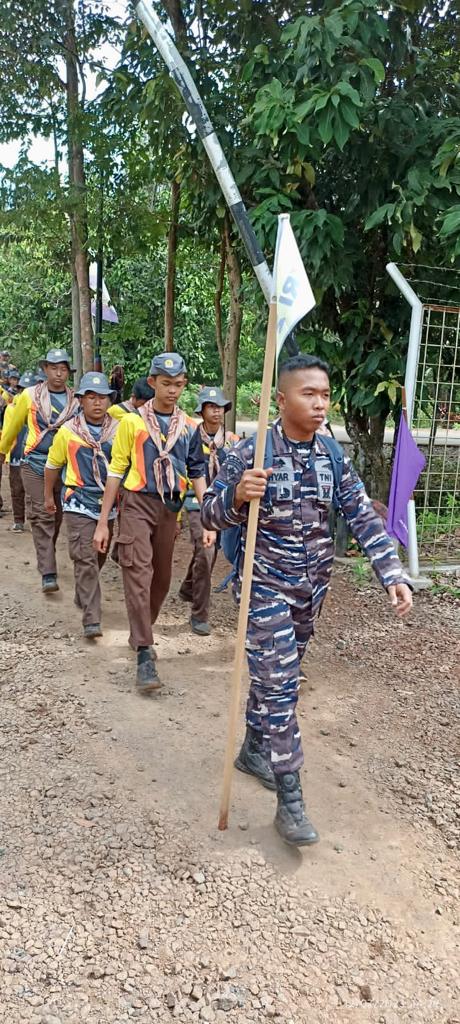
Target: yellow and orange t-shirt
(134,453)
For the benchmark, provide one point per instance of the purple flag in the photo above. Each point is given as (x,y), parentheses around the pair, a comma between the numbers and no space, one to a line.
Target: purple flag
(408,465)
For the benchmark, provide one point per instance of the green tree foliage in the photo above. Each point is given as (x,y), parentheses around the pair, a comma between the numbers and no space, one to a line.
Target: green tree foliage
(346,115)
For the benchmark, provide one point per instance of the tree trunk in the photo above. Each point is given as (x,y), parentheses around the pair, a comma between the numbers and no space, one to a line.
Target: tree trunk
(178,22)
(232,339)
(77,187)
(76,335)
(170,290)
(218,298)
(367,436)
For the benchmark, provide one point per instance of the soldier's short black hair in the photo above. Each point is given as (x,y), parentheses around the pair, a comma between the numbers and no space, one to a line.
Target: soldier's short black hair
(302,362)
(141,389)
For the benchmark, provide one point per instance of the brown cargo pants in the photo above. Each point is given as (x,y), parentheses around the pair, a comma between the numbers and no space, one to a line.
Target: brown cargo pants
(145,551)
(197,583)
(87,564)
(45,528)
(17,494)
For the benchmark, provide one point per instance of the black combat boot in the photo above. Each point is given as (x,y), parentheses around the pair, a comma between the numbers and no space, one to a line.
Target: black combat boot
(253,760)
(291,821)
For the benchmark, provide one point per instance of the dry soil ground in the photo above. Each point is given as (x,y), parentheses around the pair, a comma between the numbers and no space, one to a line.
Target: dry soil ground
(120,900)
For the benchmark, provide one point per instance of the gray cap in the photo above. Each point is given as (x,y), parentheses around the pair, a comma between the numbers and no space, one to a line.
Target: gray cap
(28,379)
(57,355)
(169,363)
(96,382)
(215,396)
(14,373)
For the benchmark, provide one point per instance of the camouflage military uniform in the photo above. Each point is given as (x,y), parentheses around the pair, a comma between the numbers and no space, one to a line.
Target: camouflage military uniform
(292,568)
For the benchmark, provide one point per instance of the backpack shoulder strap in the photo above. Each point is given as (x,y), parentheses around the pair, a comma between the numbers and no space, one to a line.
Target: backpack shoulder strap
(336,454)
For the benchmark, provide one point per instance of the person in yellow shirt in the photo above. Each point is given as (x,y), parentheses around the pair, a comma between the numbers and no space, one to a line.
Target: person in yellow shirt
(153,455)
(44,407)
(15,457)
(82,449)
(141,393)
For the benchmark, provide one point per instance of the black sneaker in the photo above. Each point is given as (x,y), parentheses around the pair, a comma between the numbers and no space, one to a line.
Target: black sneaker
(49,583)
(253,761)
(147,678)
(92,630)
(291,820)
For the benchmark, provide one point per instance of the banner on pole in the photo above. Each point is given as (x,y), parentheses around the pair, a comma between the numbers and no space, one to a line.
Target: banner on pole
(109,312)
(292,289)
(408,464)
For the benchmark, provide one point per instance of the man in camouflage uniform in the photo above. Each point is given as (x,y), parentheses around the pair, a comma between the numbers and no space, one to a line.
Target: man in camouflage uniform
(292,568)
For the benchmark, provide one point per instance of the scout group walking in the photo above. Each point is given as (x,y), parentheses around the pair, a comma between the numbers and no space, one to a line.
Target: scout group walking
(78,456)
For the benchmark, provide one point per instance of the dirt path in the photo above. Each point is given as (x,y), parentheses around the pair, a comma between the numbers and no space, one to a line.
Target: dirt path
(119,899)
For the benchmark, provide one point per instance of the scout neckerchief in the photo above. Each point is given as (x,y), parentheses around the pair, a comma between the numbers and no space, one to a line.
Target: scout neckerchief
(80,427)
(214,443)
(42,400)
(175,429)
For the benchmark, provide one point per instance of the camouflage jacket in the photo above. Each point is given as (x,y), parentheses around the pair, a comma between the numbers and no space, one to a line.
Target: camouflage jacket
(294,549)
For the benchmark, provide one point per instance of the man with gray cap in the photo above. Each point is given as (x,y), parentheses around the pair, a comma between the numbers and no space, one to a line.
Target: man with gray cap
(83,446)
(43,407)
(215,442)
(154,453)
(15,457)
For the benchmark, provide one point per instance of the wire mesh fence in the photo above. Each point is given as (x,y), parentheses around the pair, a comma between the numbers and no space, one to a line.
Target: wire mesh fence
(436,428)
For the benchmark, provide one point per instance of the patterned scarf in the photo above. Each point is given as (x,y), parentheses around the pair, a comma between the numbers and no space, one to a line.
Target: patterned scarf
(214,444)
(80,427)
(163,460)
(42,401)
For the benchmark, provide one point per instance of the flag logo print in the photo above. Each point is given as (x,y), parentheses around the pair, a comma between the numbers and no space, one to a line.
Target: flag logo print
(293,291)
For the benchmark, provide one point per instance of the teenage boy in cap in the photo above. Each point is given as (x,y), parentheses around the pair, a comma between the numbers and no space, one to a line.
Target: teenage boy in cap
(154,451)
(215,442)
(44,407)
(83,446)
(13,381)
(15,458)
(140,394)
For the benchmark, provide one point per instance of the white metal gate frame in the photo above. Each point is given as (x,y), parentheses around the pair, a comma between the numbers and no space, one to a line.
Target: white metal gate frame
(410,382)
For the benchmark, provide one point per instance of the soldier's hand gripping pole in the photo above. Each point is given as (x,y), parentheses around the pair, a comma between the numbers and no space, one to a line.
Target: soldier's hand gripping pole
(264,412)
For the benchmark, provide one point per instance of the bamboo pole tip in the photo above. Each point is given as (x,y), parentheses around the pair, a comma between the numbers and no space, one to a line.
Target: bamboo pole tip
(223,822)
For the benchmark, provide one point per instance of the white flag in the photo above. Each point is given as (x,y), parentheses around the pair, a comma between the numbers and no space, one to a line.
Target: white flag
(293,293)
(108,311)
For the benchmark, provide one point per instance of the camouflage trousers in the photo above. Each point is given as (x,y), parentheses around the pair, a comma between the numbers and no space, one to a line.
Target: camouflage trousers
(276,639)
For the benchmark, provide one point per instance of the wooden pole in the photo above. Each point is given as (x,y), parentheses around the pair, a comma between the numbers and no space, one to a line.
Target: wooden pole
(264,412)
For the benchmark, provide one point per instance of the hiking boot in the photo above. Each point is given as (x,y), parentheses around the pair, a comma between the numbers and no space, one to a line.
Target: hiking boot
(253,761)
(291,821)
(92,630)
(17,528)
(49,583)
(201,628)
(147,678)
